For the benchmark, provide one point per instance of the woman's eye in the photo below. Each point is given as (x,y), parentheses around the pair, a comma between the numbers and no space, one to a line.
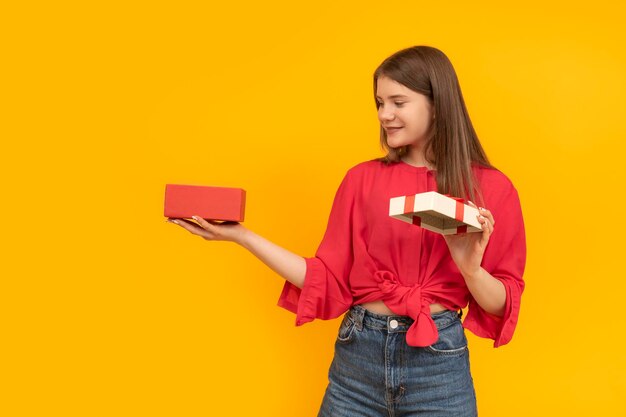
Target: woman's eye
(399,104)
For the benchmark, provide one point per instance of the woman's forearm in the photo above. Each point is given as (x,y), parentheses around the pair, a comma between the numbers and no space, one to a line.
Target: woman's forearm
(488,291)
(287,264)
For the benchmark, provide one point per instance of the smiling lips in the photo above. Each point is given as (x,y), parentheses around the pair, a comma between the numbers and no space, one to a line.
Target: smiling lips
(392,129)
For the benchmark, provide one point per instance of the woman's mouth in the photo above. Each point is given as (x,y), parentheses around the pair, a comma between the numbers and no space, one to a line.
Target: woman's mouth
(392,130)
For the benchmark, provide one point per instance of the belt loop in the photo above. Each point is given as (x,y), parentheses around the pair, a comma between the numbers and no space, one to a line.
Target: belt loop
(460,314)
(358,313)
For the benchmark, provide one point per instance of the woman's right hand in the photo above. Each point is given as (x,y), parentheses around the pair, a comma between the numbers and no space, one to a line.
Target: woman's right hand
(212,230)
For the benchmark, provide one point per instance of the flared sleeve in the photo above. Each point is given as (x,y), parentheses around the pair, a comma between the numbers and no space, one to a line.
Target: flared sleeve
(504,259)
(326,292)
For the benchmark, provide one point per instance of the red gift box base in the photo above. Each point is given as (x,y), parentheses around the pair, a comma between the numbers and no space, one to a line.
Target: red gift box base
(211,203)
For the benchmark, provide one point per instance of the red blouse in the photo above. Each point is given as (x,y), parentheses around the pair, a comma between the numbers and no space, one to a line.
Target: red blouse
(366,255)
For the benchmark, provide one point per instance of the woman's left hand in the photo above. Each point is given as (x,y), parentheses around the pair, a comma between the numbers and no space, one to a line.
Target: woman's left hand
(467,249)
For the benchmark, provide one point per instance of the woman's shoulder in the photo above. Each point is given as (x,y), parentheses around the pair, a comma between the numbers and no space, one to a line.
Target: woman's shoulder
(492,178)
(496,188)
(365,168)
(369,165)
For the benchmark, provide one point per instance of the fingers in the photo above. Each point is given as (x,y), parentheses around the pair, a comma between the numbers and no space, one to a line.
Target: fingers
(206,223)
(484,212)
(485,218)
(207,229)
(190,227)
(487,225)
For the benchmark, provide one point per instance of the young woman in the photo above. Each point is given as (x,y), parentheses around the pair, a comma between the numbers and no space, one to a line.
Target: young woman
(401,349)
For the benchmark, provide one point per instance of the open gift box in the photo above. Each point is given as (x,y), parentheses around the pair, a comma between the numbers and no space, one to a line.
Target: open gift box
(211,203)
(435,212)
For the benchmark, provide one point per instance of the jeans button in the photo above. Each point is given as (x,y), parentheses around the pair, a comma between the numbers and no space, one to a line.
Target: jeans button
(393,324)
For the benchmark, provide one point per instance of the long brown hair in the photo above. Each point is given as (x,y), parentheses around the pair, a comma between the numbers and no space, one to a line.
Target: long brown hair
(452,145)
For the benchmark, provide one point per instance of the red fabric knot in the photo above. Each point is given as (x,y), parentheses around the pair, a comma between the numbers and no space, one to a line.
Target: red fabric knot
(408,301)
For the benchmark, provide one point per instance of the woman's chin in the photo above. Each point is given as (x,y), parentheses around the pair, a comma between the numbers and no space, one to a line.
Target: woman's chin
(395,144)
(392,143)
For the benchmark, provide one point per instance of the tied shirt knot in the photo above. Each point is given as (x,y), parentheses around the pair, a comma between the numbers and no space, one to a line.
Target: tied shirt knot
(409,301)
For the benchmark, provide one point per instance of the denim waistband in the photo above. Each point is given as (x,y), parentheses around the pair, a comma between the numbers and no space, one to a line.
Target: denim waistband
(396,323)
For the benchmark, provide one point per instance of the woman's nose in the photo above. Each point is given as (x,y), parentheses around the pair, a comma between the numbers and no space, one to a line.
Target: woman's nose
(386,114)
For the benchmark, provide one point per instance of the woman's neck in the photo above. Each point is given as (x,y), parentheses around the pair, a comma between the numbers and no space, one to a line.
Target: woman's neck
(415,156)
(416,159)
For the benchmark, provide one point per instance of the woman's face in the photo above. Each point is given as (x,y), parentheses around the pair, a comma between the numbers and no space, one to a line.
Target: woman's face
(404,114)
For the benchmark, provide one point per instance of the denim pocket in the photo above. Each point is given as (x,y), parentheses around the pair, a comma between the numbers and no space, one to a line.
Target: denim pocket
(346,329)
(452,340)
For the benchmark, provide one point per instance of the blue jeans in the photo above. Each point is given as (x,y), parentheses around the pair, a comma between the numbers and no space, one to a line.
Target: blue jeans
(375,373)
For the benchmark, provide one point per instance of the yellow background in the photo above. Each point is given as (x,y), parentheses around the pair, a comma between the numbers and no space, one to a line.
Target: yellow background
(106,310)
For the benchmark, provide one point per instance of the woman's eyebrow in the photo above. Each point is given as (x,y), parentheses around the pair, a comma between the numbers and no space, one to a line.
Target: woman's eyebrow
(396,96)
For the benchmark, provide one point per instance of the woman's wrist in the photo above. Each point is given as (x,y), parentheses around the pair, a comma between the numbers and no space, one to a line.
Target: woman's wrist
(487,290)
(243,237)
(474,275)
